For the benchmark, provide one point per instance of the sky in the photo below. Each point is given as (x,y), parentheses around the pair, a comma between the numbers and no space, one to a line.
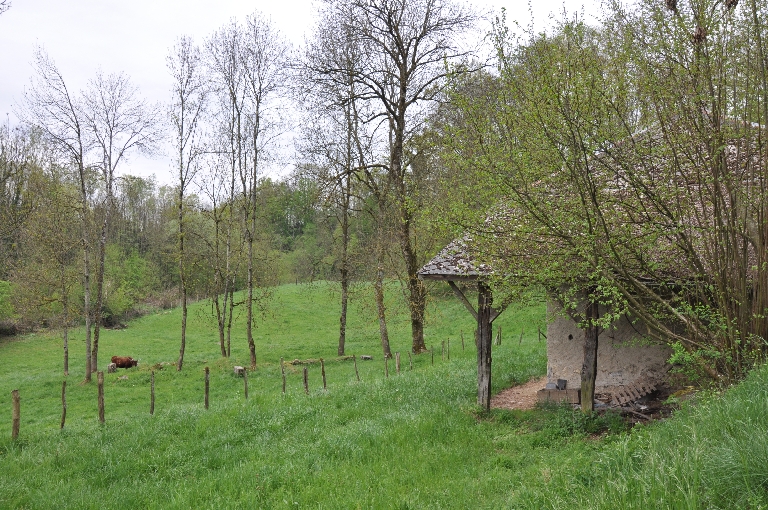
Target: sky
(134,37)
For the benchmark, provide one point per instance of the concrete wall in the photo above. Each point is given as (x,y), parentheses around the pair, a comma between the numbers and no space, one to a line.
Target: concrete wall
(623,356)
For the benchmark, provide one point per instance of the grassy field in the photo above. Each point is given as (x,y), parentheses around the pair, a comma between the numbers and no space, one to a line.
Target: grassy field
(413,440)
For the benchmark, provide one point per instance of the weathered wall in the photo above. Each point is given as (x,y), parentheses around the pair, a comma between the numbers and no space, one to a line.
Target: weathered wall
(622,355)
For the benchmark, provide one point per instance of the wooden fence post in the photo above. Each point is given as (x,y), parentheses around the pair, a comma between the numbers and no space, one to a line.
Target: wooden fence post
(322,371)
(306,381)
(16,414)
(354,360)
(245,382)
(63,403)
(152,393)
(100,380)
(207,384)
(282,371)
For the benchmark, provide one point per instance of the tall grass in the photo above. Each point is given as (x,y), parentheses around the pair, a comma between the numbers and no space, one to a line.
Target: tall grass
(413,440)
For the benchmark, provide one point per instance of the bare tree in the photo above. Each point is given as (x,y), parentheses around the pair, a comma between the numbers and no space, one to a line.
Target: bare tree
(264,54)
(405,47)
(119,123)
(4,5)
(187,107)
(49,105)
(248,64)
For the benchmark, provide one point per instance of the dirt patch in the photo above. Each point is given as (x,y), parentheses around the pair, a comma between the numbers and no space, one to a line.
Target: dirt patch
(520,397)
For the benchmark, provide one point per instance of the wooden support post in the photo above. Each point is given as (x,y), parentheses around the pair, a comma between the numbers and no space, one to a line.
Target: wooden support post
(354,360)
(152,393)
(397,362)
(484,328)
(282,371)
(410,361)
(245,383)
(100,381)
(16,414)
(207,384)
(306,380)
(322,370)
(63,403)
(386,366)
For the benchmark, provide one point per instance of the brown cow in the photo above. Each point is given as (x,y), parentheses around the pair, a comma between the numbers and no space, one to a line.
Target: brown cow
(124,361)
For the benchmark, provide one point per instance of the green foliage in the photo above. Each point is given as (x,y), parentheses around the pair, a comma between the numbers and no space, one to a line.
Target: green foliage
(129,279)
(6,306)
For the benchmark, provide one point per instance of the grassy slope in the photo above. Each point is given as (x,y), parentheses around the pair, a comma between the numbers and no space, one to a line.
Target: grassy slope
(410,441)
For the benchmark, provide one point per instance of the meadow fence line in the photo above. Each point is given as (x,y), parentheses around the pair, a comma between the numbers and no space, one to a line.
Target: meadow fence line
(16,398)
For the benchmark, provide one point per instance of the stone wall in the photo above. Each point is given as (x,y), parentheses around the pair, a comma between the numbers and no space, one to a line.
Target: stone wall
(623,355)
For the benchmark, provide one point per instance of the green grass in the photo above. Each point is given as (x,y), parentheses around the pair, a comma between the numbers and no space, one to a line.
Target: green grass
(413,440)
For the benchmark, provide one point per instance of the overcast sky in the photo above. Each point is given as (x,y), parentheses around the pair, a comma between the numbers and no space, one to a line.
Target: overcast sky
(134,37)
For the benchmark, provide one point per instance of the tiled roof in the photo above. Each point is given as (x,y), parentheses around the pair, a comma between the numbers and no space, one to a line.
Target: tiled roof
(454,261)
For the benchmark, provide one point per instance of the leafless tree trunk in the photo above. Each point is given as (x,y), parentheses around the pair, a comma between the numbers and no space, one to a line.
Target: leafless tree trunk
(49,105)
(119,123)
(187,108)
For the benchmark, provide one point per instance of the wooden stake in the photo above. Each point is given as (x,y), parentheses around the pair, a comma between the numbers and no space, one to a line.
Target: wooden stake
(322,370)
(448,349)
(207,384)
(432,351)
(410,361)
(357,374)
(521,336)
(462,339)
(245,382)
(397,361)
(152,393)
(442,350)
(63,403)
(16,414)
(386,366)
(282,370)
(306,381)
(100,380)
